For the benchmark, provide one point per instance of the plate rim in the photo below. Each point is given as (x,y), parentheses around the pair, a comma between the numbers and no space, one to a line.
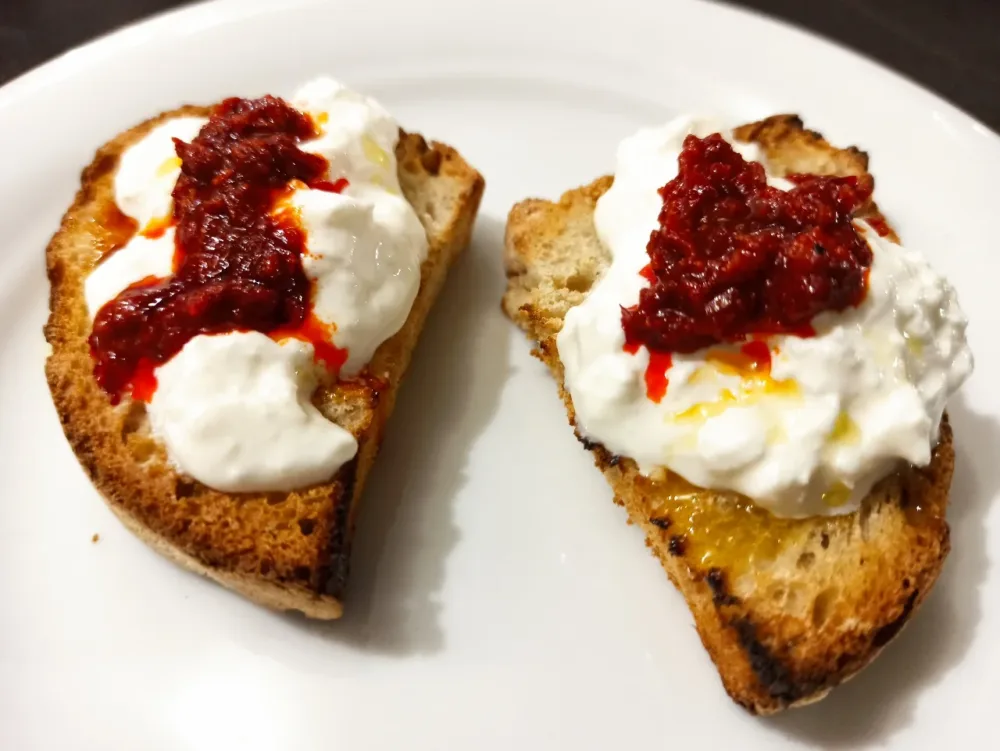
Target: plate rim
(60,71)
(215,12)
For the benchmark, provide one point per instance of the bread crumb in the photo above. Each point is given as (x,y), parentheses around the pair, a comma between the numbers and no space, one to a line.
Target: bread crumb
(95,538)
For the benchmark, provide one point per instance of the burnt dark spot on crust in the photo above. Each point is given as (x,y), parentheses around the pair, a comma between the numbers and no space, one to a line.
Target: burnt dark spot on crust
(824,541)
(773,676)
(885,634)
(906,583)
(431,161)
(676,545)
(862,155)
(660,521)
(333,576)
(184,488)
(602,457)
(540,352)
(103,165)
(307,526)
(418,140)
(57,270)
(716,581)
(302,572)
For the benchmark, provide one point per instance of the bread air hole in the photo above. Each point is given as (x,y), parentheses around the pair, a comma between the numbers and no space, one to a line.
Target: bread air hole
(141,448)
(184,488)
(135,418)
(790,598)
(579,283)
(821,606)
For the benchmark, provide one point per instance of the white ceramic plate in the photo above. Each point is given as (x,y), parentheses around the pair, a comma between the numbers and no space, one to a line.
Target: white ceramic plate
(498,599)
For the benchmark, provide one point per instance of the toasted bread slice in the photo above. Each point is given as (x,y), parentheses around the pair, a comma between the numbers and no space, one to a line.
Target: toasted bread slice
(282,550)
(787,608)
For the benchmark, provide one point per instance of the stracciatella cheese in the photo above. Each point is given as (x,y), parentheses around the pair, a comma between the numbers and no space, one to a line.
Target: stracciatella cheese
(366,244)
(148,170)
(838,410)
(234,410)
(140,258)
(252,425)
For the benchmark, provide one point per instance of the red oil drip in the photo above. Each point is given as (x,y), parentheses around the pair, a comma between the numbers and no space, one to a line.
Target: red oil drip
(759,354)
(320,336)
(656,375)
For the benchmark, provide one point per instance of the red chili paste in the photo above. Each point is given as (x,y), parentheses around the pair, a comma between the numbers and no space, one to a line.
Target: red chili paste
(735,257)
(238,264)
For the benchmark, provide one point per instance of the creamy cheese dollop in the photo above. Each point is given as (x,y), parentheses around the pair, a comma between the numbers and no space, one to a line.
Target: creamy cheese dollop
(140,258)
(838,411)
(234,410)
(148,170)
(366,244)
(254,426)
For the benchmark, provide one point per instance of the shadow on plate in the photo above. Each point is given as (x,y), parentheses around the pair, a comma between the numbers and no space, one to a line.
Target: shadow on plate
(405,525)
(882,699)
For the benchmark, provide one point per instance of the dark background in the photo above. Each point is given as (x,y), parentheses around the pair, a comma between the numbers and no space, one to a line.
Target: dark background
(949,46)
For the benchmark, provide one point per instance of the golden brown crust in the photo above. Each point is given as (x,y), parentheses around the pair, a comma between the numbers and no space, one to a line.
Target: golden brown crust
(787,609)
(283,550)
